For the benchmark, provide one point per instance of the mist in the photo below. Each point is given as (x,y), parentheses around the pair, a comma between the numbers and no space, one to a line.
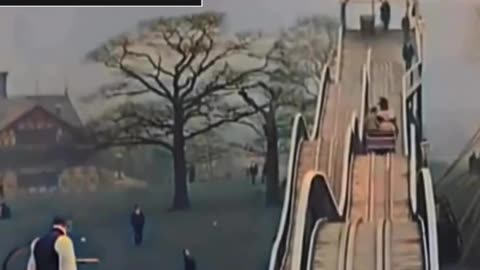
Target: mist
(43,49)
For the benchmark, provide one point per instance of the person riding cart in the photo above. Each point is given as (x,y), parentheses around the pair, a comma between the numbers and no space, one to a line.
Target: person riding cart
(386,117)
(381,128)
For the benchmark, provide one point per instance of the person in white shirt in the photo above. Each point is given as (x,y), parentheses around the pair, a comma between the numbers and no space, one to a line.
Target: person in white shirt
(54,250)
(387,117)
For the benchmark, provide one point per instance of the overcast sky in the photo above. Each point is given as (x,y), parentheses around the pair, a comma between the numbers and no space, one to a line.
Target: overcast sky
(48,45)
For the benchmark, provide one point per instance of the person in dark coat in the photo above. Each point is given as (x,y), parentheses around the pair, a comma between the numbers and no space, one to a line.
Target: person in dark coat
(264,172)
(406,28)
(191,173)
(137,220)
(408,52)
(343,14)
(385,14)
(5,212)
(253,172)
(188,260)
(472,160)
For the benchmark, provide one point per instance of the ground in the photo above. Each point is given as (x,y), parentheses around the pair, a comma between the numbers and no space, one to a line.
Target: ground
(241,240)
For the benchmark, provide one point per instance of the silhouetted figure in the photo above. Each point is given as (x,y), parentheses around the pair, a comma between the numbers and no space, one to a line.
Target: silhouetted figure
(385,14)
(343,14)
(191,173)
(137,220)
(408,52)
(253,171)
(188,260)
(371,121)
(406,28)
(472,161)
(5,212)
(386,117)
(264,172)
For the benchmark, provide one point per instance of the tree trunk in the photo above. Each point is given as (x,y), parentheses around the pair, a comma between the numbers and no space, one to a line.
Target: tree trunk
(272,196)
(180,195)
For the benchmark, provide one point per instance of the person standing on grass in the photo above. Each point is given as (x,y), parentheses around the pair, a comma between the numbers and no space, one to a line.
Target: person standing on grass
(5,212)
(54,250)
(137,220)
(188,260)
(264,172)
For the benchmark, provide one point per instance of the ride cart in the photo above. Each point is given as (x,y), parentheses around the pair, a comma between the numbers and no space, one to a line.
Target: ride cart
(380,141)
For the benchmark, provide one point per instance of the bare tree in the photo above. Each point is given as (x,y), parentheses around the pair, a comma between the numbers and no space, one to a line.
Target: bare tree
(290,82)
(182,66)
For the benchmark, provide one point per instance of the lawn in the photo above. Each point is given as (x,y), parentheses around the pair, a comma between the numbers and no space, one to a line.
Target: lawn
(241,240)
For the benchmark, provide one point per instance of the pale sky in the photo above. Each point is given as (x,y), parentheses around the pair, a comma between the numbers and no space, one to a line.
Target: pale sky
(48,44)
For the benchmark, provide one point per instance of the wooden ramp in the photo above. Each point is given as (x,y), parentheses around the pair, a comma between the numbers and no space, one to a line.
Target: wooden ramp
(306,162)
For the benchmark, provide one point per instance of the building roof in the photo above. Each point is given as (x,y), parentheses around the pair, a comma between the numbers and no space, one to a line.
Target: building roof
(14,107)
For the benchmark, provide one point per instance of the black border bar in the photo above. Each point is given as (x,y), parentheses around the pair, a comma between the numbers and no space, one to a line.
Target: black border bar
(164,3)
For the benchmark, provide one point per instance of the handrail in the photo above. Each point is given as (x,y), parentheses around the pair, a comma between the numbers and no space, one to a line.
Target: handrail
(346,162)
(312,242)
(412,171)
(299,132)
(320,99)
(339,54)
(404,116)
(300,215)
(431,219)
(366,84)
(364,101)
(424,242)
(369,64)
(414,69)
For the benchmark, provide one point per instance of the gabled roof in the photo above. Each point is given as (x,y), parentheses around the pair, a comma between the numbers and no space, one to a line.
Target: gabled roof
(13,108)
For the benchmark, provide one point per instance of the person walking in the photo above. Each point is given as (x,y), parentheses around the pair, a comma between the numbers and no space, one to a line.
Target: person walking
(408,52)
(137,220)
(191,173)
(188,260)
(343,14)
(472,160)
(253,171)
(385,14)
(406,28)
(54,250)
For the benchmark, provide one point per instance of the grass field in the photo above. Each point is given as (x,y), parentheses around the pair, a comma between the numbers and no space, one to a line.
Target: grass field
(241,240)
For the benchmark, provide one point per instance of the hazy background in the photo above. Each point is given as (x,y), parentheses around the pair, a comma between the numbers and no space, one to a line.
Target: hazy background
(47,45)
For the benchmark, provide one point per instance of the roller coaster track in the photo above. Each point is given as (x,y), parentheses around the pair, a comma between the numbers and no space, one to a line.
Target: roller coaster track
(346,209)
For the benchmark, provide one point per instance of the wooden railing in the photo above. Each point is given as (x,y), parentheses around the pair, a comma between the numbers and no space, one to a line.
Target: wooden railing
(321,99)
(299,134)
(339,55)
(351,146)
(311,248)
(302,231)
(428,214)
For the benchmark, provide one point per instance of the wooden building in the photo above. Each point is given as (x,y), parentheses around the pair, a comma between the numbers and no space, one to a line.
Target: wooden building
(40,136)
